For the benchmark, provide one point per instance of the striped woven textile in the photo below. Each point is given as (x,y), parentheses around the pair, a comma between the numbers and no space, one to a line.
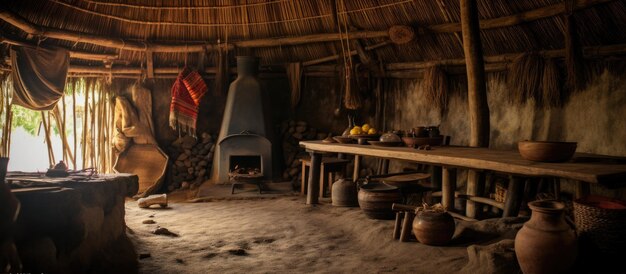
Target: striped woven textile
(187,91)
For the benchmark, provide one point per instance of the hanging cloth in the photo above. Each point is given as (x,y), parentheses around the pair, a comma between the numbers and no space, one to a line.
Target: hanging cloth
(188,89)
(38,76)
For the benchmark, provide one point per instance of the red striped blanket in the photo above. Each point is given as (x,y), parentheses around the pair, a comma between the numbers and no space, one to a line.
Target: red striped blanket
(188,89)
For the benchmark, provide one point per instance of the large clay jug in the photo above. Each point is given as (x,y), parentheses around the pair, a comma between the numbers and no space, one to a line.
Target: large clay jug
(546,243)
(344,193)
(433,228)
(375,199)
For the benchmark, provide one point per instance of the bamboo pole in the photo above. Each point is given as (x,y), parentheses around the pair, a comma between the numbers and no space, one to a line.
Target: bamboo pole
(477,95)
(46,130)
(73,54)
(85,119)
(74,90)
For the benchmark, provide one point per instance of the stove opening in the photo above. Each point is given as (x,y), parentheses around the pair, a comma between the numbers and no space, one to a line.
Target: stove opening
(245,162)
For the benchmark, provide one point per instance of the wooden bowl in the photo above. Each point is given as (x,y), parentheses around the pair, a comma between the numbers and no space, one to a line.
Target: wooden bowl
(540,151)
(343,139)
(420,141)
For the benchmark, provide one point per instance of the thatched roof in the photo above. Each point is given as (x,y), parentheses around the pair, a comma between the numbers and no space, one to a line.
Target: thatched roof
(207,21)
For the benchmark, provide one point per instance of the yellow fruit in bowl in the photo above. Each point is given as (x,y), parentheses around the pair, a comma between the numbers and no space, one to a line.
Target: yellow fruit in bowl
(356,131)
(365,127)
(372,131)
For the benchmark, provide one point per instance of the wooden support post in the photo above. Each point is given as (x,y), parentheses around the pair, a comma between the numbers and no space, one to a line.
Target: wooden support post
(477,92)
(357,168)
(514,197)
(314,178)
(475,67)
(435,177)
(475,187)
(448,187)
(150,64)
(582,189)
(323,180)
(385,166)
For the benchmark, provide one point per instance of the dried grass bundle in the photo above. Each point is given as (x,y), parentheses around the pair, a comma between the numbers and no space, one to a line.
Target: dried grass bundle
(551,85)
(352,98)
(294,74)
(524,78)
(574,58)
(435,85)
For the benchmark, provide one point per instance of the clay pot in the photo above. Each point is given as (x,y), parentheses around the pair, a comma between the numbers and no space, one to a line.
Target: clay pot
(344,193)
(546,243)
(375,199)
(433,228)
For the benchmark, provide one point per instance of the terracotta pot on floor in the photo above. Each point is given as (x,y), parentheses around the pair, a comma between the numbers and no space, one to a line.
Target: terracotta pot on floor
(546,243)
(433,228)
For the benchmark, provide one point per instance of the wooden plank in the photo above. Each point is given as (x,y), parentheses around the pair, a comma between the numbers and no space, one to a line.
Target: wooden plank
(591,168)
(314,179)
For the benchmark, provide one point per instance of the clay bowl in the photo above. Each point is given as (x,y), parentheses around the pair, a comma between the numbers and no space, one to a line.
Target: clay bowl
(540,151)
(343,139)
(420,141)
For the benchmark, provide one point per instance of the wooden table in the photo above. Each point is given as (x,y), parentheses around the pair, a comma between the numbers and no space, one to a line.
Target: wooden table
(584,168)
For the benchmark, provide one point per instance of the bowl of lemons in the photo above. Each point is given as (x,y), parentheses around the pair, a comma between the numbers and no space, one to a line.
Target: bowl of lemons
(364,133)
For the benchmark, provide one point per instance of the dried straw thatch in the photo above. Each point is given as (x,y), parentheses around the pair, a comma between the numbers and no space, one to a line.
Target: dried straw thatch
(524,78)
(551,85)
(204,22)
(435,86)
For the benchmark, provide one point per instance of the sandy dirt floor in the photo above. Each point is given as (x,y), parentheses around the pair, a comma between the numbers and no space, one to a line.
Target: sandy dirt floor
(284,235)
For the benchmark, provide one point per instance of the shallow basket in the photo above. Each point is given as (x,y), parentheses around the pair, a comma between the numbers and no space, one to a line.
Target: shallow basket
(600,222)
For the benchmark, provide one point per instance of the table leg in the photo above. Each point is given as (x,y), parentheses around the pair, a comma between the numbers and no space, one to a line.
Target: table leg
(357,168)
(303,183)
(323,181)
(398,225)
(582,189)
(385,168)
(314,179)
(448,187)
(514,197)
(407,226)
(475,187)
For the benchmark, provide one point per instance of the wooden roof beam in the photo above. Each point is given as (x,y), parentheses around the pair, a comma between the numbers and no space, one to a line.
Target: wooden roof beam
(73,54)
(523,17)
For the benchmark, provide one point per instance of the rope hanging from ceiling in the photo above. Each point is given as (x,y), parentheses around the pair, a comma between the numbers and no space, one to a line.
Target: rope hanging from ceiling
(193,24)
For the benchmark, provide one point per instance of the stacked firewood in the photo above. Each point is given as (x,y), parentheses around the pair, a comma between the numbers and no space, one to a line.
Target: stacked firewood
(192,161)
(293,132)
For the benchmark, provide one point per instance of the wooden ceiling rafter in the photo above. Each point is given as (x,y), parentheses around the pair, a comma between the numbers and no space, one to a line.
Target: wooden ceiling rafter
(506,21)
(493,63)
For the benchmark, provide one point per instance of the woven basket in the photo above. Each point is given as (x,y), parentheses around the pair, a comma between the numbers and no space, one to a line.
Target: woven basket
(600,222)
(500,193)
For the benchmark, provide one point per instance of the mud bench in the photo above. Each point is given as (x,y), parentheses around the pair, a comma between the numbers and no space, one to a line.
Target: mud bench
(73,224)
